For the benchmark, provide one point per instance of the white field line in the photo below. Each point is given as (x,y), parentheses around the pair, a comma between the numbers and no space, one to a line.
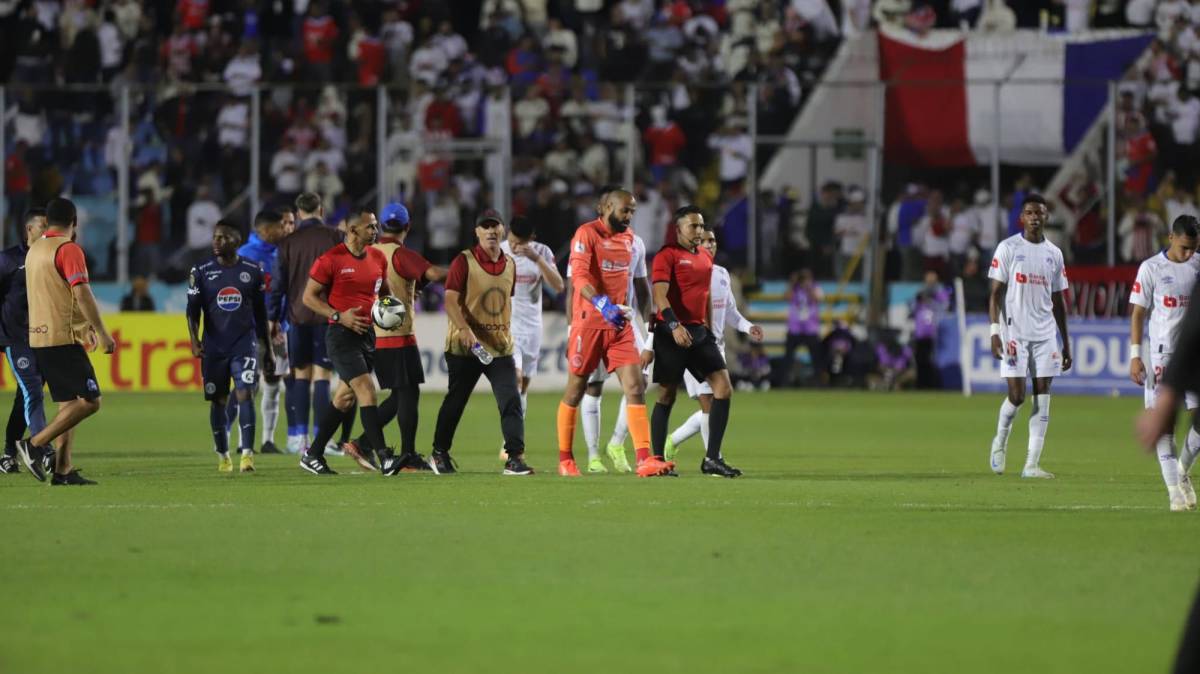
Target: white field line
(593,503)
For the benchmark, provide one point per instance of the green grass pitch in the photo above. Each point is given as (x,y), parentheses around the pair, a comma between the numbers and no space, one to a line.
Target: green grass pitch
(867,536)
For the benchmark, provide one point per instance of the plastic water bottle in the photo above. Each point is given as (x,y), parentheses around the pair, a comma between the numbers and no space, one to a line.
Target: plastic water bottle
(481,353)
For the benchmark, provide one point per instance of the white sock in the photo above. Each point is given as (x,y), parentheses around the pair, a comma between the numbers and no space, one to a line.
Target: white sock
(1039,419)
(621,429)
(1167,460)
(704,429)
(689,428)
(269,406)
(246,451)
(1191,447)
(524,404)
(590,410)
(1008,414)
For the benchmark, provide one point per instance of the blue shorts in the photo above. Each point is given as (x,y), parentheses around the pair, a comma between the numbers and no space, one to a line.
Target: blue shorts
(219,370)
(306,346)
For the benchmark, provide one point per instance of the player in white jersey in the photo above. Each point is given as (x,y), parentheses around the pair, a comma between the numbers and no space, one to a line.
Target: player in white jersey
(1028,279)
(1163,286)
(535,265)
(724,312)
(589,406)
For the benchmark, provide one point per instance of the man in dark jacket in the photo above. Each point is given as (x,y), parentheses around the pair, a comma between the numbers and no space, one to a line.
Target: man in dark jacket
(305,329)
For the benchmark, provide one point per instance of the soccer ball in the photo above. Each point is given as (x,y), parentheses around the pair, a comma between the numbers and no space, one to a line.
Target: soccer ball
(388,312)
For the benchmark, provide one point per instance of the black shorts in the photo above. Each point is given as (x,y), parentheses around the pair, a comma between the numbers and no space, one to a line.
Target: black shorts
(351,354)
(68,372)
(306,346)
(218,370)
(399,367)
(702,358)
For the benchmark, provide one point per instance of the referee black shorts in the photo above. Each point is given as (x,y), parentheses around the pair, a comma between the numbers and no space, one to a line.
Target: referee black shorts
(68,372)
(702,358)
(399,367)
(351,354)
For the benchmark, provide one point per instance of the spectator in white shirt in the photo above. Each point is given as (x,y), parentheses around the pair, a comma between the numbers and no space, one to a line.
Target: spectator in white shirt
(325,183)
(931,234)
(997,17)
(443,222)
(561,161)
(735,147)
(202,215)
(397,37)
(1166,13)
(1139,13)
(233,125)
(452,44)
(530,111)
(1184,113)
(427,63)
(851,229)
(287,168)
(558,36)
(244,70)
(109,37)
(990,222)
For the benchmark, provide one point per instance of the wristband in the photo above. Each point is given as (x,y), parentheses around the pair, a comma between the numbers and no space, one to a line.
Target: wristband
(668,315)
(995,330)
(1135,351)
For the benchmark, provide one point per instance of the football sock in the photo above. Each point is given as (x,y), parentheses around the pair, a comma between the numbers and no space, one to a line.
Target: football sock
(1039,419)
(704,428)
(324,429)
(387,412)
(270,409)
(348,426)
(1191,447)
(658,428)
(303,396)
(689,428)
(1008,414)
(289,405)
(231,411)
(1165,448)
(407,414)
(524,404)
(718,420)
(621,428)
(639,428)
(320,397)
(371,428)
(566,430)
(246,422)
(216,419)
(590,409)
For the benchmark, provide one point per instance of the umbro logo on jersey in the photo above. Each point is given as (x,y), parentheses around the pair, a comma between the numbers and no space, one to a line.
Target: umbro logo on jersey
(1020,258)
(579,247)
(1168,279)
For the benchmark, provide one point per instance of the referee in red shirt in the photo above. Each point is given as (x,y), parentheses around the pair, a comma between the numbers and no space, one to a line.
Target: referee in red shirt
(683,336)
(342,285)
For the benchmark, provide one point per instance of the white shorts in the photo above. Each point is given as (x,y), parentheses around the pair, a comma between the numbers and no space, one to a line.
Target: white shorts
(1158,365)
(695,389)
(1025,358)
(527,349)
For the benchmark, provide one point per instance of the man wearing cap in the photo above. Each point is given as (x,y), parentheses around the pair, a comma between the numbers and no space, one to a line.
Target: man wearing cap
(479,341)
(397,358)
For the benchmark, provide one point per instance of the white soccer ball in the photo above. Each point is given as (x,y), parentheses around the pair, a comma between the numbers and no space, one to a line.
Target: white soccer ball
(388,312)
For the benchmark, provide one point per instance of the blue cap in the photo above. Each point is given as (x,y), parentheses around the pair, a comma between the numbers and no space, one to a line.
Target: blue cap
(396,212)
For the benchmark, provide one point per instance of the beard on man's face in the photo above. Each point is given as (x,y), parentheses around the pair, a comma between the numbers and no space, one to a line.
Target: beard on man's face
(616,225)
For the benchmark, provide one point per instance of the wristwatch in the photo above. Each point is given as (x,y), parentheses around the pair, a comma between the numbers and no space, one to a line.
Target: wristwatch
(672,325)
(336,317)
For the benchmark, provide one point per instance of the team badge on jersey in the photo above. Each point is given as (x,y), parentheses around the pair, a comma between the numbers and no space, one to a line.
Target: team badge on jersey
(22,363)
(244,276)
(229,298)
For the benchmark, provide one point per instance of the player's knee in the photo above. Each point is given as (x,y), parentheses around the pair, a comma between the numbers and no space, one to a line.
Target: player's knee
(666,395)
(595,388)
(244,394)
(90,407)
(1017,398)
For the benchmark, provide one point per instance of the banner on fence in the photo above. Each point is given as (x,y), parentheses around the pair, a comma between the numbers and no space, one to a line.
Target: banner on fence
(1099,346)
(154,354)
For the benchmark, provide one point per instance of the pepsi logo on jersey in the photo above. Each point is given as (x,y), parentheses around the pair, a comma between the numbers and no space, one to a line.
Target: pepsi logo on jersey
(229,298)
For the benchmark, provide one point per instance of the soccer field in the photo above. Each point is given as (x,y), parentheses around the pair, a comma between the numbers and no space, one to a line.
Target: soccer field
(866,536)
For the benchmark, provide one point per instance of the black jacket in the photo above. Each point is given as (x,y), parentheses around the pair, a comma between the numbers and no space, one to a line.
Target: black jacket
(14,307)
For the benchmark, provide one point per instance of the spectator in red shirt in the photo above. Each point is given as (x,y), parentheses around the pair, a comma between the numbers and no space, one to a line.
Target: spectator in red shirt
(148,235)
(17,185)
(1140,153)
(318,34)
(192,13)
(684,338)
(443,109)
(666,141)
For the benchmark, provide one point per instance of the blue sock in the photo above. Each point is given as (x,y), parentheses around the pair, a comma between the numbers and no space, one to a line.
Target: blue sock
(302,396)
(231,413)
(247,420)
(320,399)
(216,419)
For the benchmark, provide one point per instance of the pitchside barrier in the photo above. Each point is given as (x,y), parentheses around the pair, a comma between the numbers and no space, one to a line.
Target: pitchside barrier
(1100,349)
(154,354)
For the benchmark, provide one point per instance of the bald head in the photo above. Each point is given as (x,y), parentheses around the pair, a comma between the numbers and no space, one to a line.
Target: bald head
(617,210)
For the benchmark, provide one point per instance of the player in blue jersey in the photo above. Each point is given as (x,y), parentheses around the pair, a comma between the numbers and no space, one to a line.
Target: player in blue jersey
(229,293)
(27,409)
(260,248)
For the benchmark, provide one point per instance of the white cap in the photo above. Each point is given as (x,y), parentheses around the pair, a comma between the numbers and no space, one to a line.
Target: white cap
(982,197)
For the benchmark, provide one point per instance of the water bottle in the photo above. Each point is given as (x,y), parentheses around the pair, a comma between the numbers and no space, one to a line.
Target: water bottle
(481,353)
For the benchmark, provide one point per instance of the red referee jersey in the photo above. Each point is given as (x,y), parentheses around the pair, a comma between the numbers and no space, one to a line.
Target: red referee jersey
(688,276)
(353,281)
